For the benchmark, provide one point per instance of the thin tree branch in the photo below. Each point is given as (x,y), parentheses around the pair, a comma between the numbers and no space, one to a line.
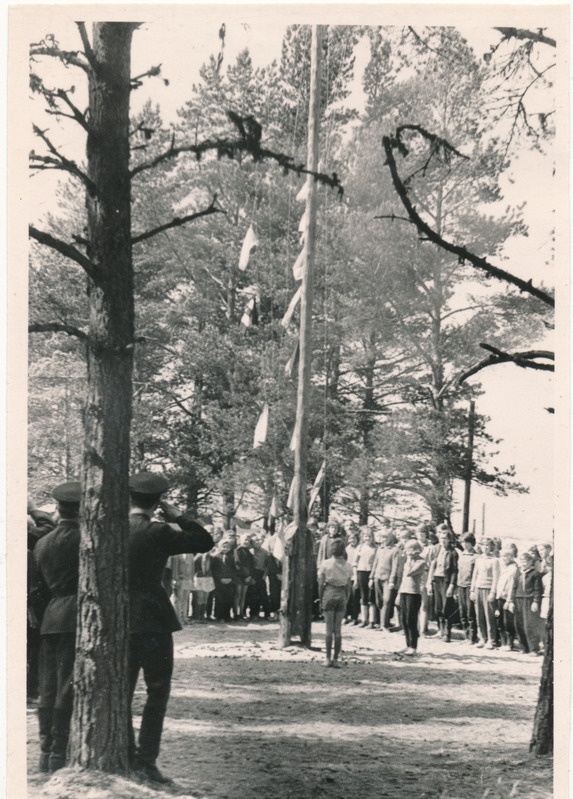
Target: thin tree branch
(49,47)
(249,142)
(522,33)
(178,221)
(77,114)
(463,254)
(67,250)
(57,327)
(61,162)
(88,52)
(523,359)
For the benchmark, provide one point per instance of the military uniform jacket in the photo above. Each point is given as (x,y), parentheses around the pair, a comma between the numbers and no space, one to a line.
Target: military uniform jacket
(58,557)
(150,545)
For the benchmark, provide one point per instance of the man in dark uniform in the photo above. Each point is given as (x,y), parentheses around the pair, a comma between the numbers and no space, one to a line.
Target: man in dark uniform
(39,523)
(152,617)
(57,556)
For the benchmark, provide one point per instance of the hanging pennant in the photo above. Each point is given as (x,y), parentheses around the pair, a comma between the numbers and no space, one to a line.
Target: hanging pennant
(249,243)
(291,309)
(298,266)
(251,314)
(292,363)
(292,445)
(316,486)
(261,428)
(290,500)
(303,193)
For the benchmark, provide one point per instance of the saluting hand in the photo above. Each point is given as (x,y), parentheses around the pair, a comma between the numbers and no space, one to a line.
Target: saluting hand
(170,512)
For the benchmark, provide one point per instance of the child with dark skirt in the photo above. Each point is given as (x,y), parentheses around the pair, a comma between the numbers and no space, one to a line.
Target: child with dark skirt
(410,594)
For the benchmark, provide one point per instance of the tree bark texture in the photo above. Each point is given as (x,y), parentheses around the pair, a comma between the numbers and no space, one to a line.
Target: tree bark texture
(542,739)
(99,725)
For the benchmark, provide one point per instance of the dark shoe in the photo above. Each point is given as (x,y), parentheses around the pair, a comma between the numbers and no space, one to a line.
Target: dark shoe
(56,762)
(44,763)
(150,772)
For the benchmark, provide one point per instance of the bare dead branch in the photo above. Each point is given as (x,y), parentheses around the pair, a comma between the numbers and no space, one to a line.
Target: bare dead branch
(57,327)
(76,113)
(522,33)
(178,221)
(389,144)
(67,250)
(58,161)
(249,143)
(88,52)
(50,47)
(526,360)
(152,72)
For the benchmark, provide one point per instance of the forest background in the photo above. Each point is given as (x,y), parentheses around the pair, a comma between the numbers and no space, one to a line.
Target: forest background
(359,63)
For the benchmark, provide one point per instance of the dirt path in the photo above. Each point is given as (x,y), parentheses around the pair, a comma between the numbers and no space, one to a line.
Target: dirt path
(248,720)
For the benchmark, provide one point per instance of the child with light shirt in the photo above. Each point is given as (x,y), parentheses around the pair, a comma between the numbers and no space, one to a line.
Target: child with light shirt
(410,594)
(334,586)
(483,591)
(504,594)
(466,564)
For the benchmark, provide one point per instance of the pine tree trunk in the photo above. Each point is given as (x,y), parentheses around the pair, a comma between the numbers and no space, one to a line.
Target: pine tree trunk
(542,738)
(99,726)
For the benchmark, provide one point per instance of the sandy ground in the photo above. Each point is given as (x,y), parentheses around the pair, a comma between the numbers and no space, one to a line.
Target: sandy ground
(247,720)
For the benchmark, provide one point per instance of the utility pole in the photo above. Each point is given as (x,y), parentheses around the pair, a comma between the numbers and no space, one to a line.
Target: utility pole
(298,566)
(469,468)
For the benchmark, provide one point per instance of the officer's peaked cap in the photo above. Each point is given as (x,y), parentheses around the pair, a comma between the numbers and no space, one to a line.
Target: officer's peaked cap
(148,483)
(68,492)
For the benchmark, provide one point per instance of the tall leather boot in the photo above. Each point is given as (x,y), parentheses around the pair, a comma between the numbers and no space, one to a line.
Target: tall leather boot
(148,750)
(45,724)
(364,614)
(60,737)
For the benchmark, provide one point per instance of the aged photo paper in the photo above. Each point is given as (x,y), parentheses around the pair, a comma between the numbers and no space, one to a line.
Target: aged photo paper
(528,410)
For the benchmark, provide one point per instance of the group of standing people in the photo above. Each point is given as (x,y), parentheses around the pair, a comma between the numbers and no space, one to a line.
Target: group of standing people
(400,582)
(238,579)
(179,569)
(54,571)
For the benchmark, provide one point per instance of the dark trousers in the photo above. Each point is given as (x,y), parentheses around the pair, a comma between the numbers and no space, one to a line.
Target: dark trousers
(505,624)
(151,653)
(366,590)
(467,613)
(385,600)
(57,655)
(353,606)
(444,606)
(33,643)
(275,586)
(224,600)
(527,624)
(257,597)
(410,605)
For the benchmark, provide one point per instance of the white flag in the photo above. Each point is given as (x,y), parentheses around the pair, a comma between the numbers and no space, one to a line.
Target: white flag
(290,310)
(303,193)
(250,316)
(292,446)
(316,486)
(298,266)
(261,428)
(292,363)
(249,243)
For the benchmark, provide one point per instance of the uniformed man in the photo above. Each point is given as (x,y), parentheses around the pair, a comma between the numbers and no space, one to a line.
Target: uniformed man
(57,555)
(152,617)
